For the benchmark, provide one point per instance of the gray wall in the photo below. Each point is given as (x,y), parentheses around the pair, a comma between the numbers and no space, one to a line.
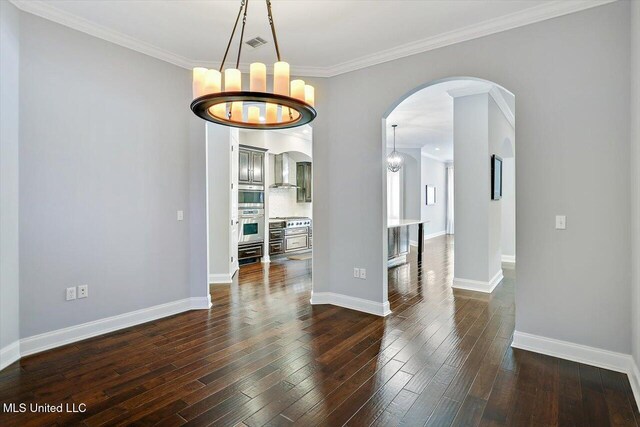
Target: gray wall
(472,207)
(635,161)
(499,130)
(508,203)
(571,77)
(434,172)
(104,166)
(9,131)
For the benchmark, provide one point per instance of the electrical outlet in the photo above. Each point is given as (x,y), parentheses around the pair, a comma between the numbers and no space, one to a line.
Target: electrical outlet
(363,273)
(356,272)
(180,215)
(561,222)
(83,291)
(71,293)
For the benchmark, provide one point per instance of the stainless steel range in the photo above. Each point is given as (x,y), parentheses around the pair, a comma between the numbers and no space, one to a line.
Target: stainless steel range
(297,234)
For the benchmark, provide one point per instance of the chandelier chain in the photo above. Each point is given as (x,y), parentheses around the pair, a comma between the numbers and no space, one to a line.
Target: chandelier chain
(273,29)
(244,22)
(233,32)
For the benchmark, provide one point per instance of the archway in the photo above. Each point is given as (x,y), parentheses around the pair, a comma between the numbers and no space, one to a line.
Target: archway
(427,119)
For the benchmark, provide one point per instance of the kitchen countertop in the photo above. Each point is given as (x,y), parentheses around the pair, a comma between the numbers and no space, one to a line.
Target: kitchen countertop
(392,223)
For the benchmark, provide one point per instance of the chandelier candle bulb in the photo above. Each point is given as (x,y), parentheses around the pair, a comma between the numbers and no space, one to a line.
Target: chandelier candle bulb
(309,95)
(297,89)
(281,78)
(236,111)
(254,114)
(198,81)
(232,80)
(212,82)
(272,113)
(257,77)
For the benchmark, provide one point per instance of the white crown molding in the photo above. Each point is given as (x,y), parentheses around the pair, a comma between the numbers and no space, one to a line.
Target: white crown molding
(478,285)
(353,303)
(432,157)
(497,96)
(476,89)
(47,11)
(485,28)
(492,26)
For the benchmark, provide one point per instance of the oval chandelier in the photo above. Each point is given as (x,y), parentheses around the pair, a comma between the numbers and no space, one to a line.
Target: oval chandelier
(289,105)
(394,159)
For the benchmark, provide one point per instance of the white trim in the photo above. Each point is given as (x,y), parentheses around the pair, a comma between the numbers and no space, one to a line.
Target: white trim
(497,96)
(220,278)
(52,13)
(431,156)
(478,285)
(57,338)
(201,303)
(593,356)
(492,26)
(509,259)
(476,89)
(428,236)
(9,354)
(634,380)
(353,303)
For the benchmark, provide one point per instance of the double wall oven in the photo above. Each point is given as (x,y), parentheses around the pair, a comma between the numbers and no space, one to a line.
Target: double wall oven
(251,214)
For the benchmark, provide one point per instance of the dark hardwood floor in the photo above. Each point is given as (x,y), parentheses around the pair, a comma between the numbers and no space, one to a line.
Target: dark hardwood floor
(263,356)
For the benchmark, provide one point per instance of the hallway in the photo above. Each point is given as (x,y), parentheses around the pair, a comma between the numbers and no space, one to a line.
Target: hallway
(263,355)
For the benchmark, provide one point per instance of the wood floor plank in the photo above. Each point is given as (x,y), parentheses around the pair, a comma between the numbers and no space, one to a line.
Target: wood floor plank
(263,356)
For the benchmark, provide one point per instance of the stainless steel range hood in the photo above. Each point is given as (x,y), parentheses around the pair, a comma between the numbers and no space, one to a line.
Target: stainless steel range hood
(281,175)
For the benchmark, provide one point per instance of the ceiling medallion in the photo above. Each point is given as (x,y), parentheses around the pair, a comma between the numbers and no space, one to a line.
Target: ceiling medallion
(289,105)
(394,159)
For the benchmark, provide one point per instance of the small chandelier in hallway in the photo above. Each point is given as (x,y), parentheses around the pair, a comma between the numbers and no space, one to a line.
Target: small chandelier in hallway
(394,159)
(289,105)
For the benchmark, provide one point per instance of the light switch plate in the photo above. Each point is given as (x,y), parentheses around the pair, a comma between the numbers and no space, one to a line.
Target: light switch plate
(180,215)
(561,222)
(356,272)
(71,293)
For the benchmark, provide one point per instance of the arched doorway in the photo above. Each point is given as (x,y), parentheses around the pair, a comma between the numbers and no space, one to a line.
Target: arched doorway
(484,117)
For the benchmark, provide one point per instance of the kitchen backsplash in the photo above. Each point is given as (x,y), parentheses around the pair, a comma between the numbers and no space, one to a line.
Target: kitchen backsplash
(282,203)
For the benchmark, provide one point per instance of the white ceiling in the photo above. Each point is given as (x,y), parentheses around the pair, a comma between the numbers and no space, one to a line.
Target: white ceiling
(425,119)
(319,38)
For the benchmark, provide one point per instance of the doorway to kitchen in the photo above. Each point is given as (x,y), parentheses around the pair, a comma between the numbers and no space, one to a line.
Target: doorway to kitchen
(454,192)
(270,197)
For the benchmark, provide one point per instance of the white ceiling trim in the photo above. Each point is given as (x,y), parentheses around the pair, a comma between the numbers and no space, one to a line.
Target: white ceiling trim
(496,94)
(492,26)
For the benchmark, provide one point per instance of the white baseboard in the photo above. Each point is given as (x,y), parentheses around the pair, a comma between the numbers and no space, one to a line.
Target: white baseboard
(509,259)
(201,303)
(220,278)
(57,338)
(634,379)
(9,354)
(477,285)
(593,356)
(428,236)
(353,303)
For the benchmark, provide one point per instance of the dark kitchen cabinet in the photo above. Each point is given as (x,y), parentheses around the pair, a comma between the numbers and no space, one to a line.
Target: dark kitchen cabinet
(250,166)
(303,181)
